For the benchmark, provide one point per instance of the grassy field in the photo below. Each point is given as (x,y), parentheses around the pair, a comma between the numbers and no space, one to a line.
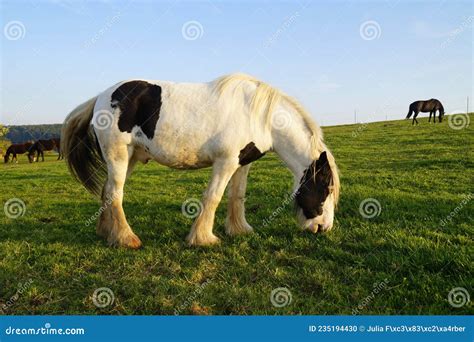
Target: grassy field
(406,260)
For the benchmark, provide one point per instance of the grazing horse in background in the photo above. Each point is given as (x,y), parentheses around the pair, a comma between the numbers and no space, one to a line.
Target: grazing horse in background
(16,149)
(430,106)
(227,123)
(44,145)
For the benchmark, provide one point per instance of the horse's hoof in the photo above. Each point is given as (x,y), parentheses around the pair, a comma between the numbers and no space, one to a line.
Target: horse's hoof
(130,241)
(133,242)
(238,229)
(195,240)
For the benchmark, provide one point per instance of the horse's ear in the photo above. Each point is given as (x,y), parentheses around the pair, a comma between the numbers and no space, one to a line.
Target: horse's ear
(323,158)
(324,167)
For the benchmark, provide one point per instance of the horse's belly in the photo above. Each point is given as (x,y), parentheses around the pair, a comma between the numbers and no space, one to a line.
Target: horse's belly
(181,161)
(179,153)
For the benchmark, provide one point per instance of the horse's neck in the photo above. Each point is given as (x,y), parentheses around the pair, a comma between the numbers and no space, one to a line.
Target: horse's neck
(293,144)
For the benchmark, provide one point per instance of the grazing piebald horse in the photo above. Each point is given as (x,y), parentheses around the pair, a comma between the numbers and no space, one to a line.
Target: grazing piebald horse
(44,145)
(227,124)
(430,106)
(16,149)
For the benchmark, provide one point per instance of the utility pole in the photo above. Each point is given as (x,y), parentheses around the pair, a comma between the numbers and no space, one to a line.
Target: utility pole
(355,116)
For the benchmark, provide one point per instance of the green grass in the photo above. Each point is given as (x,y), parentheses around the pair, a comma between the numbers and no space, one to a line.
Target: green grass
(418,174)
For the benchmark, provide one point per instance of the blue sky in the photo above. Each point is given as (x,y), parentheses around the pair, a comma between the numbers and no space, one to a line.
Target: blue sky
(334,56)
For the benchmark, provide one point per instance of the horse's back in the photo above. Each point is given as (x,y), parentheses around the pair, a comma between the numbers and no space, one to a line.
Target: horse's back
(181,125)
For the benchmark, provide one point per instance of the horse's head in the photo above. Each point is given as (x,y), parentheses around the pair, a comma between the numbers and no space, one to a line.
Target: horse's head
(5,158)
(31,154)
(441,114)
(316,197)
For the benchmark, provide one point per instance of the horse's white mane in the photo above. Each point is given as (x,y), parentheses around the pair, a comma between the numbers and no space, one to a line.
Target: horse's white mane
(264,101)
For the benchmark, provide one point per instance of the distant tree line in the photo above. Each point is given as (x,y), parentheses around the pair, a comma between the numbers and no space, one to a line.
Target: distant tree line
(20,134)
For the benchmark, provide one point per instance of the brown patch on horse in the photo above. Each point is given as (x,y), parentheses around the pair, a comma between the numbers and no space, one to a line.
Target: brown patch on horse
(140,104)
(249,154)
(314,187)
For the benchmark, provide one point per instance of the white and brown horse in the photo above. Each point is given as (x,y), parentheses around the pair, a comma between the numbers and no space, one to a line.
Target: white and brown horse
(227,124)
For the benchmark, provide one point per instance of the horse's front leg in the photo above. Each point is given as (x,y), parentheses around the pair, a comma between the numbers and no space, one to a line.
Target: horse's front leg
(201,232)
(236,223)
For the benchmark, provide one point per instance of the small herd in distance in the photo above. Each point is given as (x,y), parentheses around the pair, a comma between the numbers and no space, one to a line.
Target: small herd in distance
(33,150)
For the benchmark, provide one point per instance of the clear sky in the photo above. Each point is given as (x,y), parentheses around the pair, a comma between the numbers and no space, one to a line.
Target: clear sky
(334,56)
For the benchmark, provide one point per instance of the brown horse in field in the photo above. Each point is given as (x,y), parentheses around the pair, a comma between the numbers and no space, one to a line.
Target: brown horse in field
(430,106)
(44,145)
(17,149)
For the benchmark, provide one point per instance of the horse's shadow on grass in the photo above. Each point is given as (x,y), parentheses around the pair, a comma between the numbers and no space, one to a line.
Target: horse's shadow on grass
(75,224)
(159,224)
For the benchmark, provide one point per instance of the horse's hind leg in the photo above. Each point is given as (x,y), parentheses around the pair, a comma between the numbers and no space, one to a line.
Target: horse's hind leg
(112,222)
(201,231)
(236,223)
(414,118)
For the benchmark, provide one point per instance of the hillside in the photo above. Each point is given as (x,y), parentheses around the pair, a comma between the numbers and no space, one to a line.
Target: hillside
(405,259)
(19,134)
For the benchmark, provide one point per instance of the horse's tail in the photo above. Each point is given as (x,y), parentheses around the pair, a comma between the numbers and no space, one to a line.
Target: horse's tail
(80,147)
(410,112)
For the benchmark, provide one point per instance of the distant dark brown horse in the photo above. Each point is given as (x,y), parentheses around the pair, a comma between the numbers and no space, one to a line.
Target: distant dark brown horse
(430,106)
(44,145)
(17,149)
